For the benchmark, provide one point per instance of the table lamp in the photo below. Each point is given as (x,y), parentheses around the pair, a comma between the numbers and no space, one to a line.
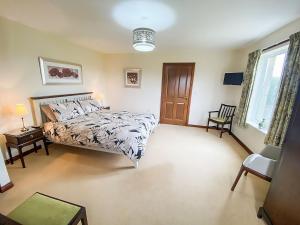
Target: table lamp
(22,111)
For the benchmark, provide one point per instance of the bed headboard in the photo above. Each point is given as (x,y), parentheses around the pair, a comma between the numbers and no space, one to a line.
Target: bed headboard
(36,102)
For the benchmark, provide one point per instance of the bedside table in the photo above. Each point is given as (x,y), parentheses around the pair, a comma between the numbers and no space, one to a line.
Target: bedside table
(18,139)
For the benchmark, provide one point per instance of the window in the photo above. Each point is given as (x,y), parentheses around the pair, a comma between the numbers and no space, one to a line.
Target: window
(265,88)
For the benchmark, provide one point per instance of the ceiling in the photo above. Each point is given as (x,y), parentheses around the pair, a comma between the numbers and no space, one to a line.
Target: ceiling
(106,25)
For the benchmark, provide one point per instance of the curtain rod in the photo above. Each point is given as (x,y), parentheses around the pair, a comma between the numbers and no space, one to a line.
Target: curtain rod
(272,46)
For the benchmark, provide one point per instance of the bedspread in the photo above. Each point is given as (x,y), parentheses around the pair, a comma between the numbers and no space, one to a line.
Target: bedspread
(121,132)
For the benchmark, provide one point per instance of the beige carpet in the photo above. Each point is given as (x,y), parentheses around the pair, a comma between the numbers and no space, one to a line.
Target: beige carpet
(184,178)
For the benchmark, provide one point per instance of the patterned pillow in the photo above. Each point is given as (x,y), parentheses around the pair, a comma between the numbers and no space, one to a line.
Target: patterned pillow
(90,105)
(66,111)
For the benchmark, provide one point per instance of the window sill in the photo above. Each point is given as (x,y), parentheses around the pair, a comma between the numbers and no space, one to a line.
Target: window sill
(257,128)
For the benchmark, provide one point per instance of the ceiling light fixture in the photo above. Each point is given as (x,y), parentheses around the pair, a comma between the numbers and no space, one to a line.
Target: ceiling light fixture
(143,39)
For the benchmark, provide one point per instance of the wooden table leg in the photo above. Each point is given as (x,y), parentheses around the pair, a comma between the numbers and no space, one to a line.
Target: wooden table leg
(11,160)
(21,156)
(46,146)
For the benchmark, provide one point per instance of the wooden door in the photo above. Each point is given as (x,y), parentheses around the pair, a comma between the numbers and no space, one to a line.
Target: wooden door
(177,83)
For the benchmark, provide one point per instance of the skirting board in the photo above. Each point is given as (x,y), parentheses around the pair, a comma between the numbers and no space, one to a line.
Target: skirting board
(242,144)
(6,187)
(248,150)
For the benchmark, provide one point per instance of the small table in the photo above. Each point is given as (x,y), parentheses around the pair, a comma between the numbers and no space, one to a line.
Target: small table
(41,209)
(18,139)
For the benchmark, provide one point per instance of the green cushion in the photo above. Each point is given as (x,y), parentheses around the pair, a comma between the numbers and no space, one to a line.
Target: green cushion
(42,210)
(218,119)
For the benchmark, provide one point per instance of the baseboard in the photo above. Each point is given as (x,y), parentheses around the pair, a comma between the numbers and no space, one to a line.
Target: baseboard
(248,150)
(6,187)
(24,154)
(199,126)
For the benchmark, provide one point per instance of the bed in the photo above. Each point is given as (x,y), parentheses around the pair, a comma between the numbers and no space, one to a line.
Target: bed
(122,132)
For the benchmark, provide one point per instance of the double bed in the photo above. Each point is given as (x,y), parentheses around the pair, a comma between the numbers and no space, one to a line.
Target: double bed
(115,132)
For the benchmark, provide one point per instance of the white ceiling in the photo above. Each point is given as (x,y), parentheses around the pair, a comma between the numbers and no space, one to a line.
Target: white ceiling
(181,24)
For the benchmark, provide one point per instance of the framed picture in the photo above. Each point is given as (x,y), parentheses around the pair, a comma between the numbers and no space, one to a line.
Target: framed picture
(59,72)
(133,78)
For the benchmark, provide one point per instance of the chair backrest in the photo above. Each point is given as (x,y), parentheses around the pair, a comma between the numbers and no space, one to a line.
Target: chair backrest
(226,111)
(271,152)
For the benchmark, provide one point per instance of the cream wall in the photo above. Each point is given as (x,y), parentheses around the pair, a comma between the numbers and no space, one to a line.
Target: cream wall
(20,73)
(208,91)
(251,136)
(20,78)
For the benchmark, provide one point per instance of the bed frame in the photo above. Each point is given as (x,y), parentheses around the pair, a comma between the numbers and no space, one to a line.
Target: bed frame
(39,118)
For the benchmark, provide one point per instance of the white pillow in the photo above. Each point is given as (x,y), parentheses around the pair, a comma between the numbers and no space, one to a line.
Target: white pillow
(90,105)
(66,111)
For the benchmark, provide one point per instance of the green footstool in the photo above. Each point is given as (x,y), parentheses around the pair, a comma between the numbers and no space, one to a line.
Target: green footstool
(41,209)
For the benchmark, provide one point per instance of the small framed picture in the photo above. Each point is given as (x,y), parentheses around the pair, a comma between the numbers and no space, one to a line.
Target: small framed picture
(60,72)
(133,78)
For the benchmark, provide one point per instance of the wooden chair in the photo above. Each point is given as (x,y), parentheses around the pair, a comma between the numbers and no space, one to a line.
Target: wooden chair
(224,117)
(41,209)
(261,165)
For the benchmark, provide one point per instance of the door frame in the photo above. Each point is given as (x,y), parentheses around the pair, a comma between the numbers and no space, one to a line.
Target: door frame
(190,91)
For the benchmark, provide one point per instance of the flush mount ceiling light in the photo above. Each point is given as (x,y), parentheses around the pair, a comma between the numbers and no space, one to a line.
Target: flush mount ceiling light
(143,39)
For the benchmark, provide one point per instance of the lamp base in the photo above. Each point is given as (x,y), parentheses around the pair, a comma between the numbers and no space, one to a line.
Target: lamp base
(24,129)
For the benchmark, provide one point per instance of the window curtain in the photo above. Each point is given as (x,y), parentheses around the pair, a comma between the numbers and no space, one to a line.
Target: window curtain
(247,88)
(287,94)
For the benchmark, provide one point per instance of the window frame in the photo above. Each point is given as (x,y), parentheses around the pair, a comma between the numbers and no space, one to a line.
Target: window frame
(268,51)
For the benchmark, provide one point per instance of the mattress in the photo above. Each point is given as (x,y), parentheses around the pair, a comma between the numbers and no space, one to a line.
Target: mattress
(119,132)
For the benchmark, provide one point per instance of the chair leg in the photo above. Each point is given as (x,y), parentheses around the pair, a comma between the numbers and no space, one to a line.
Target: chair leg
(222,130)
(230,126)
(207,125)
(238,178)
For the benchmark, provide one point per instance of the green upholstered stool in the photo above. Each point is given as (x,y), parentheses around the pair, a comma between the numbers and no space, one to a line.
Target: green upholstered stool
(41,209)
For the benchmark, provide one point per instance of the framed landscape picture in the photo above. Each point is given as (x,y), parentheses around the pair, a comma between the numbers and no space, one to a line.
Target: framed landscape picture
(133,78)
(59,72)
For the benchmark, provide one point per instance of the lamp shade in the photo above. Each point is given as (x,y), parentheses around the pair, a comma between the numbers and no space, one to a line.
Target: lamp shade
(21,110)
(143,39)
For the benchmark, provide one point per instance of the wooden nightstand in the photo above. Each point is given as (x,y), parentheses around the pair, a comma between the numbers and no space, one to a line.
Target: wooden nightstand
(17,139)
